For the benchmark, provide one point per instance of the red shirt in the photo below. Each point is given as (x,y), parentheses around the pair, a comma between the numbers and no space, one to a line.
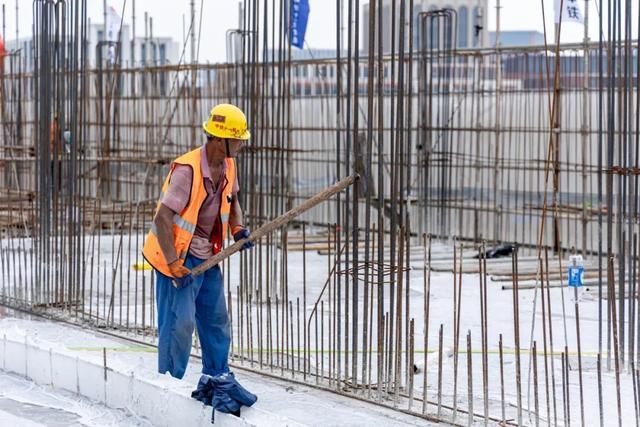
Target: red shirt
(177,197)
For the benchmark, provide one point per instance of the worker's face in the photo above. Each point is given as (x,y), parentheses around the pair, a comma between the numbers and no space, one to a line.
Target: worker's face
(219,147)
(235,146)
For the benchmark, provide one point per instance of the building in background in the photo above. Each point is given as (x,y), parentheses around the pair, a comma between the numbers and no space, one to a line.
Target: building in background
(471,28)
(304,54)
(517,38)
(25,45)
(149,51)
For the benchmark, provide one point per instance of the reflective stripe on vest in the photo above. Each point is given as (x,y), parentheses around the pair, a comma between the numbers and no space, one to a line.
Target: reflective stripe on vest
(180,222)
(185,222)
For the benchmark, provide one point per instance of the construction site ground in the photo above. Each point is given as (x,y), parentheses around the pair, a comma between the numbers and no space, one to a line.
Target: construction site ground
(31,397)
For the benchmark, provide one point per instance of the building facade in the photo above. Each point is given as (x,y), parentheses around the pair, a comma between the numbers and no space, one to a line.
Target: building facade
(149,51)
(142,51)
(517,38)
(470,22)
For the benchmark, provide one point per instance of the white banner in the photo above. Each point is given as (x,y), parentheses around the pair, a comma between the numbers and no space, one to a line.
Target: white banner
(113,25)
(570,11)
(113,28)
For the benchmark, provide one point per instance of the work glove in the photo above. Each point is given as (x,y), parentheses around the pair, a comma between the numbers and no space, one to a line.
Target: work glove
(243,234)
(181,274)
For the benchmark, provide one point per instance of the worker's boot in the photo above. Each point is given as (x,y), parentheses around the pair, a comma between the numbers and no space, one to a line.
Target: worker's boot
(224,393)
(204,390)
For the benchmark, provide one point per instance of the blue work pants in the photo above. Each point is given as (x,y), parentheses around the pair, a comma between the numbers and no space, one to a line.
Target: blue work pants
(200,304)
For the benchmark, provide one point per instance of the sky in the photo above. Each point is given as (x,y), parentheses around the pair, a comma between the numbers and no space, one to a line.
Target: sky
(220,15)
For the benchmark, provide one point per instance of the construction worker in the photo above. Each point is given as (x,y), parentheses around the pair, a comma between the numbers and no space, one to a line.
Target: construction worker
(198,205)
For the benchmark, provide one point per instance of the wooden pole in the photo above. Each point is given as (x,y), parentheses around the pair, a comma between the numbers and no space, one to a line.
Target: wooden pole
(276,223)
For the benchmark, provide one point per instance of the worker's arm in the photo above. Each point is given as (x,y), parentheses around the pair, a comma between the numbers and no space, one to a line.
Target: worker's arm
(235,216)
(164,227)
(236,220)
(174,200)
(238,229)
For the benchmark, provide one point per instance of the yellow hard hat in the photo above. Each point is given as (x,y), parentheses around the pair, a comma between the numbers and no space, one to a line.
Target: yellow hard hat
(227,121)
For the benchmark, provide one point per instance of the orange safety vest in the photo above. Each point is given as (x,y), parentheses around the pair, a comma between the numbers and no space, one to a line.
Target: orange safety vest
(184,223)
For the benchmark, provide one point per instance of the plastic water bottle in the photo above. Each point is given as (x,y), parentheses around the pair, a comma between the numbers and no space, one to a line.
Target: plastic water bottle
(576,274)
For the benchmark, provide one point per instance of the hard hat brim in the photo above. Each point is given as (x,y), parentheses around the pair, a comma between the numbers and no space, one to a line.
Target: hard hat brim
(245,136)
(204,127)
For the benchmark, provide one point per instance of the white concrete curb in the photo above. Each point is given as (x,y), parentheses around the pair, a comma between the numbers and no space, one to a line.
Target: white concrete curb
(161,406)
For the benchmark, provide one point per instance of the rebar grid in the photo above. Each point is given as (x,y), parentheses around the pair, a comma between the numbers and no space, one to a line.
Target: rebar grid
(453,146)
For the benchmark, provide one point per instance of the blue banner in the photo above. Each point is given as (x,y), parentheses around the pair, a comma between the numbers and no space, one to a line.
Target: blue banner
(299,18)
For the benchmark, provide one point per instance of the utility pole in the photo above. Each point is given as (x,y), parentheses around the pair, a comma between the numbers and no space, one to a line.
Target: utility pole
(133,35)
(146,39)
(193,73)
(193,31)
(153,53)
(481,23)
(497,223)
(104,24)
(585,117)
(498,7)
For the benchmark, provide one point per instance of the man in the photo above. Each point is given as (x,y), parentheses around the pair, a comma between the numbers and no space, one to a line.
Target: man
(198,205)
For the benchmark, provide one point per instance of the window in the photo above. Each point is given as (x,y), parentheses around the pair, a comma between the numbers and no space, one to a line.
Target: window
(416,26)
(477,21)
(386,29)
(143,53)
(463,27)
(163,54)
(433,30)
(365,34)
(448,30)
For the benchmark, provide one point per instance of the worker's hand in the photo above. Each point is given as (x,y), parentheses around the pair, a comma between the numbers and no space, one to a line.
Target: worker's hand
(181,274)
(243,233)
